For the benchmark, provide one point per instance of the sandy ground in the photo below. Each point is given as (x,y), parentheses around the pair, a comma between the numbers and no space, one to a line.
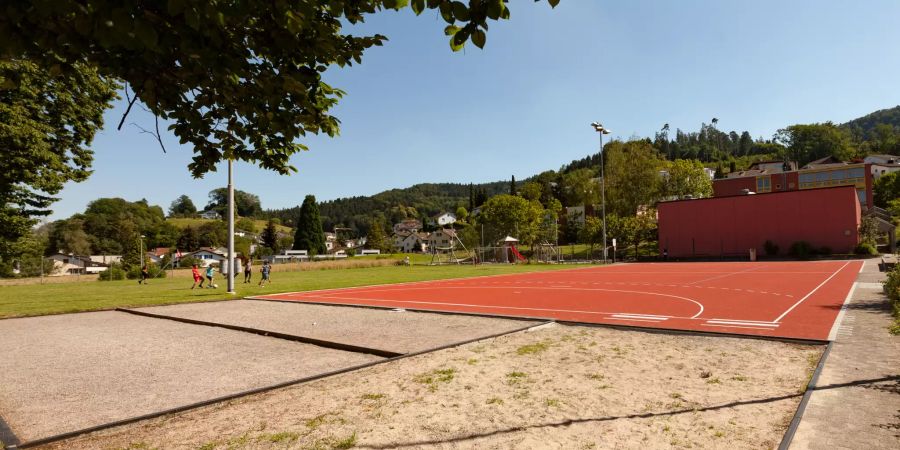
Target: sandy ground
(67,372)
(401,332)
(555,387)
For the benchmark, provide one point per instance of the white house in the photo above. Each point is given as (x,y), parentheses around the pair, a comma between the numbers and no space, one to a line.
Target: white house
(409,242)
(330,241)
(883,164)
(444,219)
(74,265)
(207,256)
(882,159)
(443,238)
(711,173)
(106,259)
(210,215)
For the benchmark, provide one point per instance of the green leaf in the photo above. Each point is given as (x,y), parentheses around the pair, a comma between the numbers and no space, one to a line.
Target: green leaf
(447,12)
(454,46)
(494,9)
(553,3)
(450,30)
(478,38)
(460,11)
(418,6)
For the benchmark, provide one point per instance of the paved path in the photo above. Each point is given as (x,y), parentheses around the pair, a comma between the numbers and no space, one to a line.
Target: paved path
(857,399)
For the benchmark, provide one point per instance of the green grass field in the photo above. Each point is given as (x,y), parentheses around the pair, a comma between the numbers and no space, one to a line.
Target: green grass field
(35,300)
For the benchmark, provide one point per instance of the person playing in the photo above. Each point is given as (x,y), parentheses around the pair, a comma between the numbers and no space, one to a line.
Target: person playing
(264,273)
(145,274)
(210,271)
(247,270)
(197,278)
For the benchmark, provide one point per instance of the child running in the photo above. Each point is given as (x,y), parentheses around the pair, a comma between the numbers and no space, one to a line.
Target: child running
(210,271)
(264,272)
(197,278)
(247,270)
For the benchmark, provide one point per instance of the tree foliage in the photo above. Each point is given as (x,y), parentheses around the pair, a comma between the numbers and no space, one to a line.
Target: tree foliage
(235,80)
(245,203)
(377,239)
(810,142)
(632,176)
(886,189)
(182,206)
(514,216)
(685,178)
(309,235)
(47,121)
(269,237)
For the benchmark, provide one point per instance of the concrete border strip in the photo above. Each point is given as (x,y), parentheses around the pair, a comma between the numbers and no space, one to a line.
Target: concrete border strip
(832,335)
(801,408)
(273,334)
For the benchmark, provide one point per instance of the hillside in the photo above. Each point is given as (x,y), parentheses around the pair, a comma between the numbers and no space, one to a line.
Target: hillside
(713,147)
(864,127)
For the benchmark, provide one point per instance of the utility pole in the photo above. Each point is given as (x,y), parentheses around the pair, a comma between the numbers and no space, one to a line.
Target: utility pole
(601,130)
(231,267)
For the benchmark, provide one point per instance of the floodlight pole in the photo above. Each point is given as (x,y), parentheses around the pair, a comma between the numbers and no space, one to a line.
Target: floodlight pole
(231,267)
(601,130)
(143,255)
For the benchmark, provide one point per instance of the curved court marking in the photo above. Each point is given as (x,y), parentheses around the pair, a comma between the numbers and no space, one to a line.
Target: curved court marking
(700,305)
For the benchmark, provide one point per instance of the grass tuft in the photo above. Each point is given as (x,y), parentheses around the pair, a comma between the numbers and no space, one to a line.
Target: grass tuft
(533,349)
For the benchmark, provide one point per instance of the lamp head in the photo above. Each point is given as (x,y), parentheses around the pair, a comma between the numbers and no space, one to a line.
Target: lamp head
(599,128)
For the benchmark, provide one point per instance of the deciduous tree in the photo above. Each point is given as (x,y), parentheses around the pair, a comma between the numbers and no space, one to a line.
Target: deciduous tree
(182,206)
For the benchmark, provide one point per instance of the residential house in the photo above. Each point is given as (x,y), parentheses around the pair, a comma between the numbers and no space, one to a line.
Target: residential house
(444,219)
(291,256)
(441,239)
(410,241)
(210,215)
(412,225)
(763,168)
(64,264)
(208,255)
(106,259)
(330,242)
(883,164)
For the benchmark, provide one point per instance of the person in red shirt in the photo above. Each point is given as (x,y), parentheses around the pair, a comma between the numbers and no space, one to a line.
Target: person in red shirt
(197,277)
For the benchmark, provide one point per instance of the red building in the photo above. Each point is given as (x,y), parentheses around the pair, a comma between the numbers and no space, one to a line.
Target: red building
(723,226)
(814,177)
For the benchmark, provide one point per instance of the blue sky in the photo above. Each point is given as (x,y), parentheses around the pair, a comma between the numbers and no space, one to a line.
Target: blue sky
(416,112)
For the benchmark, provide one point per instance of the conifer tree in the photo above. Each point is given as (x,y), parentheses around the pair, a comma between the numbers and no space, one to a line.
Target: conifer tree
(309,235)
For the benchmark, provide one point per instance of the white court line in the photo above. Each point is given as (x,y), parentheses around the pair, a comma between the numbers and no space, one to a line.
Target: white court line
(733,326)
(645,316)
(470,305)
(840,317)
(727,275)
(740,320)
(700,305)
(811,292)
(634,319)
(737,322)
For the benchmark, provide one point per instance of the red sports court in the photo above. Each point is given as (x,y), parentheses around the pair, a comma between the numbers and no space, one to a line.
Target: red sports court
(779,299)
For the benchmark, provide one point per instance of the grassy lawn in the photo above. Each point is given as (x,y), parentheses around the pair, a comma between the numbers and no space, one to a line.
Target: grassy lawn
(34,300)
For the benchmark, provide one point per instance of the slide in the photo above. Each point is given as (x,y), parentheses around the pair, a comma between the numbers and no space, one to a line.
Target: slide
(516,252)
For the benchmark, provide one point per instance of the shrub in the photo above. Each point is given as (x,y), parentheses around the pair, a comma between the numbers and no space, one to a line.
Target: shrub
(892,290)
(115,272)
(771,248)
(801,249)
(865,248)
(188,261)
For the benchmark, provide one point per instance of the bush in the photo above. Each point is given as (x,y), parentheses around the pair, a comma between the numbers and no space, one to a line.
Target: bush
(770,248)
(188,261)
(865,248)
(115,272)
(892,290)
(801,249)
(155,272)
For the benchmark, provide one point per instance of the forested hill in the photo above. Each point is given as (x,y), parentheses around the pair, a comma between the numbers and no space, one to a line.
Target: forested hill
(421,200)
(866,127)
